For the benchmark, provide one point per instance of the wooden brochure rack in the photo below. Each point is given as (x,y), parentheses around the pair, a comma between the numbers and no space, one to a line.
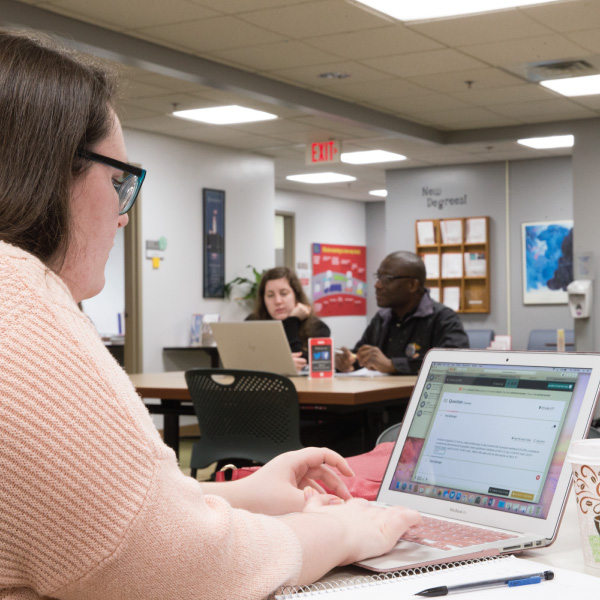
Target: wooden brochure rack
(457,259)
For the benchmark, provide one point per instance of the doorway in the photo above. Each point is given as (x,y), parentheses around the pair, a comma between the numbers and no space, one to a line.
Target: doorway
(285,240)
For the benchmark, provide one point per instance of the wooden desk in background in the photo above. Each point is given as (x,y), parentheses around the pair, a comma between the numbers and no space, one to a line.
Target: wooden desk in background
(340,394)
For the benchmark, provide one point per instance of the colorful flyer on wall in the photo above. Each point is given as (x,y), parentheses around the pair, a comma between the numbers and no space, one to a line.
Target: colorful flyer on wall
(339,280)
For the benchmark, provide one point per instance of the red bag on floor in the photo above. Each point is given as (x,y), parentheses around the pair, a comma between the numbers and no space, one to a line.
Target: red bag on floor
(232,473)
(369,469)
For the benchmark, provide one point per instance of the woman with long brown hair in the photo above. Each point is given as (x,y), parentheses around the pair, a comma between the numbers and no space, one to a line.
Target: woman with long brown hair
(280,296)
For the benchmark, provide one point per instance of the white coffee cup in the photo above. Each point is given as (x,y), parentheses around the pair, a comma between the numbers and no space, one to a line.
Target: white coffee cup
(584,456)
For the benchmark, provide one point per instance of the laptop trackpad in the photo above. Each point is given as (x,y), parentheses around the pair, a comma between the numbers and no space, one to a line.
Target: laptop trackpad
(403,553)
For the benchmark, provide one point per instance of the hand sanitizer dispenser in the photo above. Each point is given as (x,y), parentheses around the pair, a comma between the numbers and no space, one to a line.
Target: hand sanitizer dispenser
(580,298)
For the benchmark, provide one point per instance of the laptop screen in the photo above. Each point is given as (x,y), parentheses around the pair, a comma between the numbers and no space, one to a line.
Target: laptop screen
(492,436)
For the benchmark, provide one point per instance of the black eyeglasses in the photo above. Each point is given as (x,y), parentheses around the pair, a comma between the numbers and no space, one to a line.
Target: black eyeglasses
(387,279)
(128,187)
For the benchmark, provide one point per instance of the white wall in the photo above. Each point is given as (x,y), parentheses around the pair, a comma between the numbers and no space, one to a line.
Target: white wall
(376,249)
(333,221)
(172,207)
(532,190)
(103,308)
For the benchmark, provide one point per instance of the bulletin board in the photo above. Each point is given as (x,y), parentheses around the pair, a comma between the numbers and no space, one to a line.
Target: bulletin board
(339,280)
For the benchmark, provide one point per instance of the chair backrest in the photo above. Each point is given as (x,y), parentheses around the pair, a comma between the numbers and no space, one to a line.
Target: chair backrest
(480,338)
(390,434)
(545,339)
(244,414)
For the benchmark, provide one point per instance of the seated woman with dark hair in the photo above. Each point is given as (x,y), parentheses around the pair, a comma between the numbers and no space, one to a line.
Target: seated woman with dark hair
(280,296)
(92,503)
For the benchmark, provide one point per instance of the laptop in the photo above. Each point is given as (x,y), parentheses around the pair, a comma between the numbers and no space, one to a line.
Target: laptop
(254,346)
(482,446)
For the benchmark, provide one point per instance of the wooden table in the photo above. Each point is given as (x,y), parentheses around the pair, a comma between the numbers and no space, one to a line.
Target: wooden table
(340,394)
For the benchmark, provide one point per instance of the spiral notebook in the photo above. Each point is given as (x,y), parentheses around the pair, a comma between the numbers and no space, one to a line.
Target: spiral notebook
(405,584)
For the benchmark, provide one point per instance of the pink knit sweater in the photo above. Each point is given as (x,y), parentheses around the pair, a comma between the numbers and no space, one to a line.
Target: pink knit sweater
(92,503)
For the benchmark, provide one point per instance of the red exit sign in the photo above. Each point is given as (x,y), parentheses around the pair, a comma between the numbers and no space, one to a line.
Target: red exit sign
(320,153)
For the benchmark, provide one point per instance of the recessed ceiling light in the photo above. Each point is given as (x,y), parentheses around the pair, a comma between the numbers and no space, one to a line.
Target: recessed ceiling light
(380,193)
(435,9)
(553,141)
(321,178)
(370,156)
(575,86)
(224,115)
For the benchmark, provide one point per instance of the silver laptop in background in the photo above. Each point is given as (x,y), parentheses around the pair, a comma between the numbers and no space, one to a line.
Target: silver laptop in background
(483,444)
(254,346)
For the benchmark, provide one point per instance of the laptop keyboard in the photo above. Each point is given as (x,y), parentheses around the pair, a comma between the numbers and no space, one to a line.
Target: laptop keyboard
(448,535)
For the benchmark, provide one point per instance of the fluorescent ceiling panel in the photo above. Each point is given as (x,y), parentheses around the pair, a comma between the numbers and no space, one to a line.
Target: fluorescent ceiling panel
(321,178)
(380,193)
(575,86)
(545,143)
(436,9)
(370,156)
(224,115)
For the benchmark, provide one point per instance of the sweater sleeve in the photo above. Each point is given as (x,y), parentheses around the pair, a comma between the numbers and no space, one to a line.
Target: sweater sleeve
(92,503)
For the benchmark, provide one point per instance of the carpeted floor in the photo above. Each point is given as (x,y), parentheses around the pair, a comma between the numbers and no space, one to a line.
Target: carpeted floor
(185,452)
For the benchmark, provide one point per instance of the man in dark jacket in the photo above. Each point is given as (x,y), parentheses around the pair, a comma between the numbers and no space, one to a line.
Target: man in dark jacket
(408,324)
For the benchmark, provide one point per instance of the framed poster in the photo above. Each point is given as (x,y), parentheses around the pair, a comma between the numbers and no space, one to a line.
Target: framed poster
(339,282)
(547,261)
(213,247)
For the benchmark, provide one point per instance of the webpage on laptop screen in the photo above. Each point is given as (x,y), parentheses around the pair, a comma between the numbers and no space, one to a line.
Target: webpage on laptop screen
(493,436)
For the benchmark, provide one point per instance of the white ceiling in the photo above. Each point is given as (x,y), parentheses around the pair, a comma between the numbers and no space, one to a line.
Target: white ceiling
(440,92)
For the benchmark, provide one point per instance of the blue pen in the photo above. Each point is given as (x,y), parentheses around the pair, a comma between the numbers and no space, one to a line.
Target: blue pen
(511,581)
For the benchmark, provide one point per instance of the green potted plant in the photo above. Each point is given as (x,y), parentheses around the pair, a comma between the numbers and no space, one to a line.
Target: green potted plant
(248,286)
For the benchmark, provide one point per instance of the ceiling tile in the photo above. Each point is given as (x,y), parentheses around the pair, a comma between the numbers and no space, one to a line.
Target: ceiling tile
(164,104)
(424,103)
(272,57)
(420,63)
(314,19)
(592,102)
(457,81)
(524,92)
(553,109)
(128,112)
(134,14)
(374,92)
(566,16)
(129,88)
(243,6)
(309,76)
(207,35)
(168,84)
(371,43)
(525,50)
(480,29)
(465,118)
(588,39)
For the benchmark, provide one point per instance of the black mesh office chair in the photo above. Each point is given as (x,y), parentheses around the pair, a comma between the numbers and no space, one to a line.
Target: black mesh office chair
(243,415)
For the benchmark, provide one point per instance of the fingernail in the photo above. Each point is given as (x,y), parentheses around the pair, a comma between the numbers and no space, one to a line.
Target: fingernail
(309,492)
(336,501)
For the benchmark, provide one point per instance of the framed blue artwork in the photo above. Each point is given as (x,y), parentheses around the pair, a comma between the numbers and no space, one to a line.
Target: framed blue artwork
(547,261)
(214,243)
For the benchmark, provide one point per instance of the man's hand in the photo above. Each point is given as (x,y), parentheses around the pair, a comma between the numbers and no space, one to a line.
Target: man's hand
(344,362)
(371,357)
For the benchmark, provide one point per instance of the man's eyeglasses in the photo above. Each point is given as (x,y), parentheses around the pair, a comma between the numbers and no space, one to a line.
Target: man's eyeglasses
(387,279)
(128,186)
